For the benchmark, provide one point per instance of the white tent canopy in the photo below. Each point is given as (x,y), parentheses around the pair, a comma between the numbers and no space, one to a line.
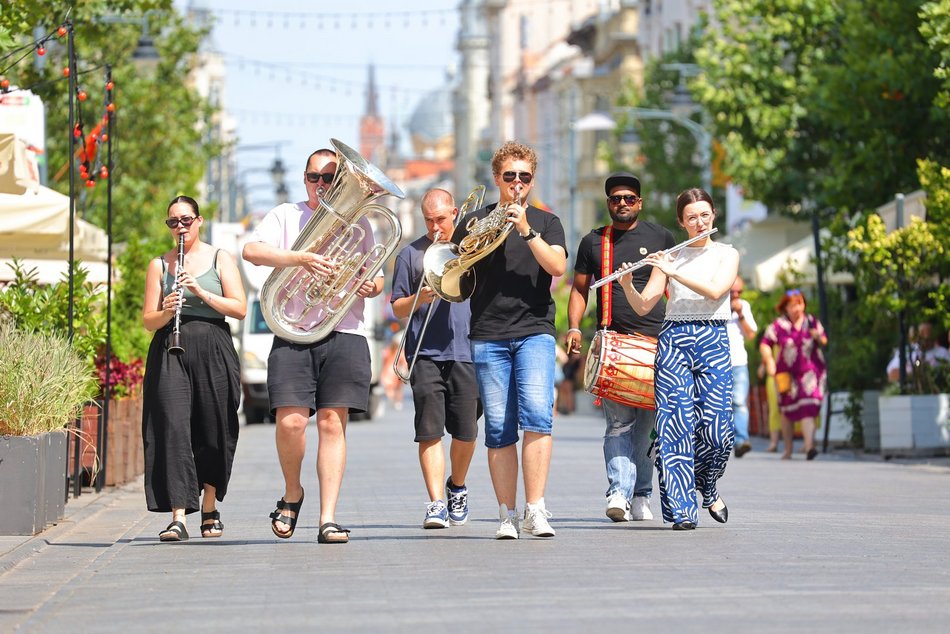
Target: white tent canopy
(34,224)
(797,259)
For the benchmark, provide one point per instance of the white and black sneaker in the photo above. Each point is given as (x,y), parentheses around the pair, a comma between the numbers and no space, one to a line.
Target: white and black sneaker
(618,507)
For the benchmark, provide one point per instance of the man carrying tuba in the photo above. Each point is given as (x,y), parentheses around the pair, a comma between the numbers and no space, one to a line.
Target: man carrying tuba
(513,338)
(330,377)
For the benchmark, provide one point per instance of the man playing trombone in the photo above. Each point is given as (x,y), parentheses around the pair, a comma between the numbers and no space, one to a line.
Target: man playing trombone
(441,373)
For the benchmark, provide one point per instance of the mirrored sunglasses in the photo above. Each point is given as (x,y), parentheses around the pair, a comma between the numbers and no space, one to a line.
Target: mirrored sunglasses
(524,177)
(630,199)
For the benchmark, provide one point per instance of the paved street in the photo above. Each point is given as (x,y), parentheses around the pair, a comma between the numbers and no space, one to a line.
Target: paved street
(835,545)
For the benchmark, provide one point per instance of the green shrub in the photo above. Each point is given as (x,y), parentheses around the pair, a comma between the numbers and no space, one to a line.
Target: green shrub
(44,383)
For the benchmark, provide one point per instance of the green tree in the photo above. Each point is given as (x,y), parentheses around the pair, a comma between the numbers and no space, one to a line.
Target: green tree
(828,103)
(158,147)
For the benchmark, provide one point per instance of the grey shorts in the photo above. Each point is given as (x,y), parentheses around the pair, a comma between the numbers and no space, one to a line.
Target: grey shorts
(446,398)
(334,372)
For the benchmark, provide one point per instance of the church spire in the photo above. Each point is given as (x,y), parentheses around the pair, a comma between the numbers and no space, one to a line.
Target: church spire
(371,97)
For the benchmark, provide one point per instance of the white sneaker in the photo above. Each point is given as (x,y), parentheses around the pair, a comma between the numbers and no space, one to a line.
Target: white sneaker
(640,509)
(508,529)
(536,520)
(618,508)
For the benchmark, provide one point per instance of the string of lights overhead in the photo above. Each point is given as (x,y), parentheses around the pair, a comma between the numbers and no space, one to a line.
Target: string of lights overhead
(321,20)
(306,78)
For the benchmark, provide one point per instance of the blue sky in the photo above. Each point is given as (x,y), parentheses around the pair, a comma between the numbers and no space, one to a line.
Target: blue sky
(296,71)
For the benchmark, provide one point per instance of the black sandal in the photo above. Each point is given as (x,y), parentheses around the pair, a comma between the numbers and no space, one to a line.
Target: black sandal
(174,532)
(283,518)
(215,528)
(331,533)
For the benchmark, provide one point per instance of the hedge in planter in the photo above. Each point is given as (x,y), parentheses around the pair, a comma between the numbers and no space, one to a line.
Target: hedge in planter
(43,386)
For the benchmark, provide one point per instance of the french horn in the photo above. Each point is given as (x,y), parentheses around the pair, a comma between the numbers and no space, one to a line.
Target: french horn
(449,267)
(301,307)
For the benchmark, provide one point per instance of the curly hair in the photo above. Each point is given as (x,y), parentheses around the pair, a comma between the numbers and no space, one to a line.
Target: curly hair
(513,150)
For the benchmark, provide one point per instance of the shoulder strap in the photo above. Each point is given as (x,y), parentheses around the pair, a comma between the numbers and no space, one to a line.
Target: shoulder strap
(214,262)
(606,268)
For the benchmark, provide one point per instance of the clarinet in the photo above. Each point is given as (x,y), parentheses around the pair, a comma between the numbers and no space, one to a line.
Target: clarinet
(174,340)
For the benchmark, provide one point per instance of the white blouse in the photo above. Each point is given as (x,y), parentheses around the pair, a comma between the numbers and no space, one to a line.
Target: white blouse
(698,263)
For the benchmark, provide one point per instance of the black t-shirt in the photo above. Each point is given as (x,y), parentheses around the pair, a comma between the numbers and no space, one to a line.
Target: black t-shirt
(512,296)
(628,246)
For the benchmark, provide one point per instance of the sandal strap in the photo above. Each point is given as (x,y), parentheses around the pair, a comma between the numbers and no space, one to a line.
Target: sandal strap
(210,515)
(289,506)
(330,527)
(282,517)
(216,525)
(175,527)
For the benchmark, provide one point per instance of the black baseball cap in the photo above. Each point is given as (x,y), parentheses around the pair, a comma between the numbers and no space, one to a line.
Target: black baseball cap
(622,178)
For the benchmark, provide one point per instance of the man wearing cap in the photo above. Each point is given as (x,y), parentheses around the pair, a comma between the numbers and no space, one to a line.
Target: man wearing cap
(627,239)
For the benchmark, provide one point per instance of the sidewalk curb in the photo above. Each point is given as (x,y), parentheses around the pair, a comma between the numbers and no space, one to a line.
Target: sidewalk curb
(82,510)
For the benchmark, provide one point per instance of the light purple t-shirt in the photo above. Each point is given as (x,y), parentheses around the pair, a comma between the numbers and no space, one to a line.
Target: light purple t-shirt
(280,228)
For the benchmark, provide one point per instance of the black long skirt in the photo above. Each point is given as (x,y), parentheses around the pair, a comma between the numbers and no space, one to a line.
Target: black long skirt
(190,421)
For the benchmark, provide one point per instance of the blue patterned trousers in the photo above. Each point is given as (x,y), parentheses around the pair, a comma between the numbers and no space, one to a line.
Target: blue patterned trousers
(694,426)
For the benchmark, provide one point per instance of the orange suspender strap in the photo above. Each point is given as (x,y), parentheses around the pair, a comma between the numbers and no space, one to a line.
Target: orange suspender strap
(606,268)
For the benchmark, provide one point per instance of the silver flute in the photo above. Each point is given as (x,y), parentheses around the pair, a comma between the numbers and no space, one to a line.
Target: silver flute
(642,263)
(174,339)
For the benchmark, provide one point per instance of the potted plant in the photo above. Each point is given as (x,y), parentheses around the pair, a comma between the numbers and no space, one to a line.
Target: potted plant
(906,271)
(43,386)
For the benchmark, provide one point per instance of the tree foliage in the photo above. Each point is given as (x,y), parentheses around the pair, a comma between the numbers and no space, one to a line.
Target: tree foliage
(158,146)
(829,103)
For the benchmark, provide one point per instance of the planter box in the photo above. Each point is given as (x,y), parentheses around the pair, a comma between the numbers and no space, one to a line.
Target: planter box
(33,473)
(915,424)
(125,457)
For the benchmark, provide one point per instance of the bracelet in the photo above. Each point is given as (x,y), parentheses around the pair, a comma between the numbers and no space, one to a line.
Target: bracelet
(577,330)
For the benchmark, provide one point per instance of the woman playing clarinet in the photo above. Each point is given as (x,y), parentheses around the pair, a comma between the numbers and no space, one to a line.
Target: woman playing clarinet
(693,372)
(191,394)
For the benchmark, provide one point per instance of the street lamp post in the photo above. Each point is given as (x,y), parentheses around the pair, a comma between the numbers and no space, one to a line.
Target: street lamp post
(603,121)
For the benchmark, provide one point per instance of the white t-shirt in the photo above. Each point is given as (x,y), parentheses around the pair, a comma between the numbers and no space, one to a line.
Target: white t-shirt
(931,357)
(281,227)
(736,340)
(700,263)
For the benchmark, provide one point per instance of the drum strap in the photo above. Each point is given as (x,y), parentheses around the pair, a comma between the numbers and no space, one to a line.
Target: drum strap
(606,268)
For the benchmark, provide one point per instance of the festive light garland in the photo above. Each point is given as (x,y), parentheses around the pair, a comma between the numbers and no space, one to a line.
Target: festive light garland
(90,166)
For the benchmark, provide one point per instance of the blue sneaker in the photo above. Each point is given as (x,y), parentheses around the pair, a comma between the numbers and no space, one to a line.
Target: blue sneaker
(458,503)
(437,516)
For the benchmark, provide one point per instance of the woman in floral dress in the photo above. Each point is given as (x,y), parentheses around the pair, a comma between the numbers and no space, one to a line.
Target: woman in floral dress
(799,370)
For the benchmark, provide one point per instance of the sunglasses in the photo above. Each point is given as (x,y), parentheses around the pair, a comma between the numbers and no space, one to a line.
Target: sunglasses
(793,292)
(524,177)
(630,199)
(185,221)
(314,177)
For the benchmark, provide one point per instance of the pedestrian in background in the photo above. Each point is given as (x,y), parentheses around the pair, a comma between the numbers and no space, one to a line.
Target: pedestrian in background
(740,327)
(190,399)
(799,368)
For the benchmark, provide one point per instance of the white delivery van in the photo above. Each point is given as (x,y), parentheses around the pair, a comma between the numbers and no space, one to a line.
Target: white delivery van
(256,342)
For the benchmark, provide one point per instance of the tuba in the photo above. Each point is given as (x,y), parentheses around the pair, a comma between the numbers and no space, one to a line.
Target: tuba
(304,308)
(448,267)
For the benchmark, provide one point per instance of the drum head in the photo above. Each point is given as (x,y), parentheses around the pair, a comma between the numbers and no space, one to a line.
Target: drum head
(592,366)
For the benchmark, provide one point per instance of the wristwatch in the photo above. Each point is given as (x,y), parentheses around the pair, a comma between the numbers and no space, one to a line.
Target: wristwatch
(531,235)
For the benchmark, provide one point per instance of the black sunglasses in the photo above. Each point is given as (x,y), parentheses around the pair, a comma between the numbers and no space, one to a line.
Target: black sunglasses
(185,221)
(524,177)
(314,177)
(630,199)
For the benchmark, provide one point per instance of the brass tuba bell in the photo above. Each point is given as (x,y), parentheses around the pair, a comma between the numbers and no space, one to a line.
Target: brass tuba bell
(304,308)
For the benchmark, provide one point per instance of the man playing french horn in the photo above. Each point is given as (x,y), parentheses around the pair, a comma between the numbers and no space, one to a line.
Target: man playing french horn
(330,377)
(513,338)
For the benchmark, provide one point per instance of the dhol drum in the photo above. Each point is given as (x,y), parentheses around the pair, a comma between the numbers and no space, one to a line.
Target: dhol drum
(620,368)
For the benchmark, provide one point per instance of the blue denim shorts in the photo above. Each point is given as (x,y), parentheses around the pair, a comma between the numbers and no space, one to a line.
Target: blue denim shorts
(516,383)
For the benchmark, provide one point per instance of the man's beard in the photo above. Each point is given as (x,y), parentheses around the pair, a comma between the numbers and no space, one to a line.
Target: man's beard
(631,216)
